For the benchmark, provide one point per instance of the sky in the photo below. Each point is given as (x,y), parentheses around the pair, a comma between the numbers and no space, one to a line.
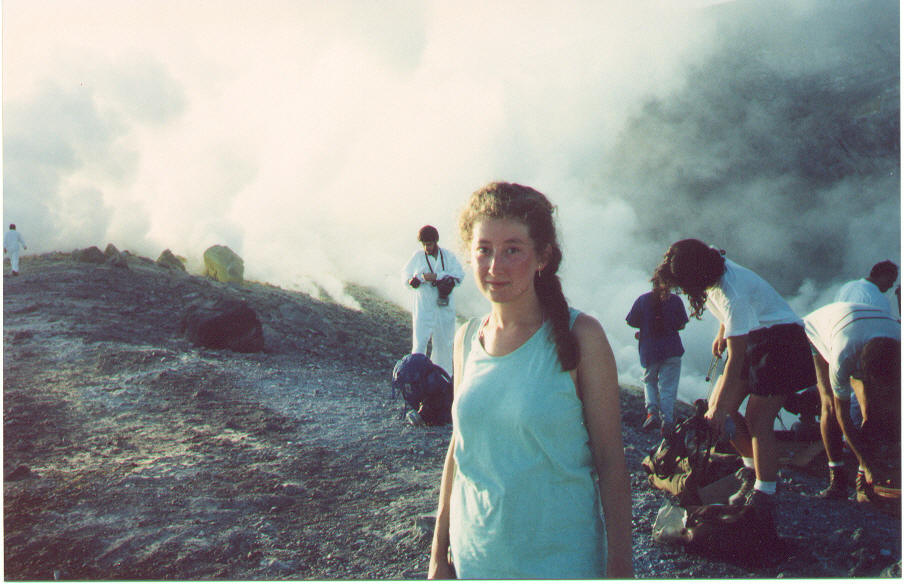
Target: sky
(316,138)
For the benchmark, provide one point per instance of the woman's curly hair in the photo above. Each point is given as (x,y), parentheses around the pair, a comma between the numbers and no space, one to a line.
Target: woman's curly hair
(501,200)
(692,266)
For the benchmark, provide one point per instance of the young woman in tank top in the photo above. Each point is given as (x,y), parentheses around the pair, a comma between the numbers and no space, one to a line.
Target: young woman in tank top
(535,483)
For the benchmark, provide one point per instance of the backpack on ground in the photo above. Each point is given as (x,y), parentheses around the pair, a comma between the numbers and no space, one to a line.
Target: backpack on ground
(683,461)
(425,387)
(740,534)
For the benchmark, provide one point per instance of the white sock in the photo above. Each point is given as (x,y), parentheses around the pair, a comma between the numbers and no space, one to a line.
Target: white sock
(767,487)
(833,464)
(748,462)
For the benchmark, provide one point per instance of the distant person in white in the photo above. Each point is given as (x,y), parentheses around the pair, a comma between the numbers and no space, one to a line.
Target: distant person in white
(840,334)
(12,241)
(871,290)
(432,273)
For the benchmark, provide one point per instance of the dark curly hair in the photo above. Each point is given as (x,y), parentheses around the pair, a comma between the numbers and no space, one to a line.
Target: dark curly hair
(501,200)
(692,266)
(880,362)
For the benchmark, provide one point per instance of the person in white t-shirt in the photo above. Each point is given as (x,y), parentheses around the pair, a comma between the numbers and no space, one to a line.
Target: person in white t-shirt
(871,290)
(768,356)
(840,333)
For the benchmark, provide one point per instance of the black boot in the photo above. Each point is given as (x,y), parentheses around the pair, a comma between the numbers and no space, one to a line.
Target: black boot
(838,487)
(747,476)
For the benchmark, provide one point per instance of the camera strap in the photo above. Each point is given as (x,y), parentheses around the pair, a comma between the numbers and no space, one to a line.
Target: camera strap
(441,259)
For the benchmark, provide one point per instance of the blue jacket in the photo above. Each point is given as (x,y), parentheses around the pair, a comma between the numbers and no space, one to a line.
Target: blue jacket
(659,337)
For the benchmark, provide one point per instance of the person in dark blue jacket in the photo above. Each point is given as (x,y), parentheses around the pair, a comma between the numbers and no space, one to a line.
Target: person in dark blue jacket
(659,315)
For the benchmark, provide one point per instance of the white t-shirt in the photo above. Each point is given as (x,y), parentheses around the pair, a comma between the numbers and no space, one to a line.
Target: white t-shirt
(863,291)
(744,302)
(840,330)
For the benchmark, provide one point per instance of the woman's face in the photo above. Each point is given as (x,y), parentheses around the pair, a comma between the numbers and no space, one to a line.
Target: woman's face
(504,259)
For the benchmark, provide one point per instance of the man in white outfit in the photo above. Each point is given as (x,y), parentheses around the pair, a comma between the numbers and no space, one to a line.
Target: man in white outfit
(432,272)
(12,241)
(871,290)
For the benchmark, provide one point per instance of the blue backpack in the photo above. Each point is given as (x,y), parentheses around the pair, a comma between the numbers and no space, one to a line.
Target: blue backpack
(425,387)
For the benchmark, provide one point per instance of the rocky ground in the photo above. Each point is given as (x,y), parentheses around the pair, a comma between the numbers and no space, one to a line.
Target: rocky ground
(129,453)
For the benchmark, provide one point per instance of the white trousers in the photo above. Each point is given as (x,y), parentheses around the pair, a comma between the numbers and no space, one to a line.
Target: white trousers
(440,324)
(14,260)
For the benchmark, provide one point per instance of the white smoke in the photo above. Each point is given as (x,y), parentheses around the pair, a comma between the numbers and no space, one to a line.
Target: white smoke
(316,138)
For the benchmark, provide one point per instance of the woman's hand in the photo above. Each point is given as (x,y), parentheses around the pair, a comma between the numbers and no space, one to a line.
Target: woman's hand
(716,417)
(719,345)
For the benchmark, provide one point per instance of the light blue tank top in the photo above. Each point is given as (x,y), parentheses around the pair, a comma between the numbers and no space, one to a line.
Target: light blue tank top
(524,498)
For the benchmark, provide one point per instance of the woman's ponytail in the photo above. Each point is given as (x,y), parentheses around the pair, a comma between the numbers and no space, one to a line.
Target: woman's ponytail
(555,308)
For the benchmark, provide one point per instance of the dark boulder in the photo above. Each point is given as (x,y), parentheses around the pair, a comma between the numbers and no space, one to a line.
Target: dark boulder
(226,324)
(92,255)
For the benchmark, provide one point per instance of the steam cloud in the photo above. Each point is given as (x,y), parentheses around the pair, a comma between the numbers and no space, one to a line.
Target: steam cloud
(316,138)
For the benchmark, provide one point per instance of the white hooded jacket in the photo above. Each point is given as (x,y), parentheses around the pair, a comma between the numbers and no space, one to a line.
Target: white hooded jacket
(427,317)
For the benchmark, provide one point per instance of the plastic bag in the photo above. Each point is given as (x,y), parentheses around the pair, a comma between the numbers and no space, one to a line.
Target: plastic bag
(669,524)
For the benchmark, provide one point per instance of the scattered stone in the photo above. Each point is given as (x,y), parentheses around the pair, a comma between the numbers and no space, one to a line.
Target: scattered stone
(424,525)
(115,258)
(892,571)
(20,336)
(223,264)
(21,472)
(293,489)
(239,543)
(91,255)
(169,260)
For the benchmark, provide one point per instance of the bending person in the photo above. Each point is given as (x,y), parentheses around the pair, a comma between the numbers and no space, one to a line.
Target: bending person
(768,356)
(535,483)
(856,349)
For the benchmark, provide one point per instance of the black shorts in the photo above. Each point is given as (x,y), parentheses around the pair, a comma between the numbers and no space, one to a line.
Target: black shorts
(778,360)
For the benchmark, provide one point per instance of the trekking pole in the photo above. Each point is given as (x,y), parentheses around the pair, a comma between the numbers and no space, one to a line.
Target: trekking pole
(712,366)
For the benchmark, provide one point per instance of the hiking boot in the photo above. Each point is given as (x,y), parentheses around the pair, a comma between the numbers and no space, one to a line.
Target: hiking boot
(760,501)
(747,476)
(763,506)
(865,492)
(837,488)
(666,430)
(650,421)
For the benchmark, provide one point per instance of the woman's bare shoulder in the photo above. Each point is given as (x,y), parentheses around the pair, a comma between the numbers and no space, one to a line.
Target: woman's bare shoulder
(588,328)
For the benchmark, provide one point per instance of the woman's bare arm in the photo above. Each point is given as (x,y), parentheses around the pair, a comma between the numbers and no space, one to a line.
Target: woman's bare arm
(597,383)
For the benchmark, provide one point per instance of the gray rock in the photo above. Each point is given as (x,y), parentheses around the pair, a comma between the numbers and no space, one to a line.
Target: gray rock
(91,255)
(169,260)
